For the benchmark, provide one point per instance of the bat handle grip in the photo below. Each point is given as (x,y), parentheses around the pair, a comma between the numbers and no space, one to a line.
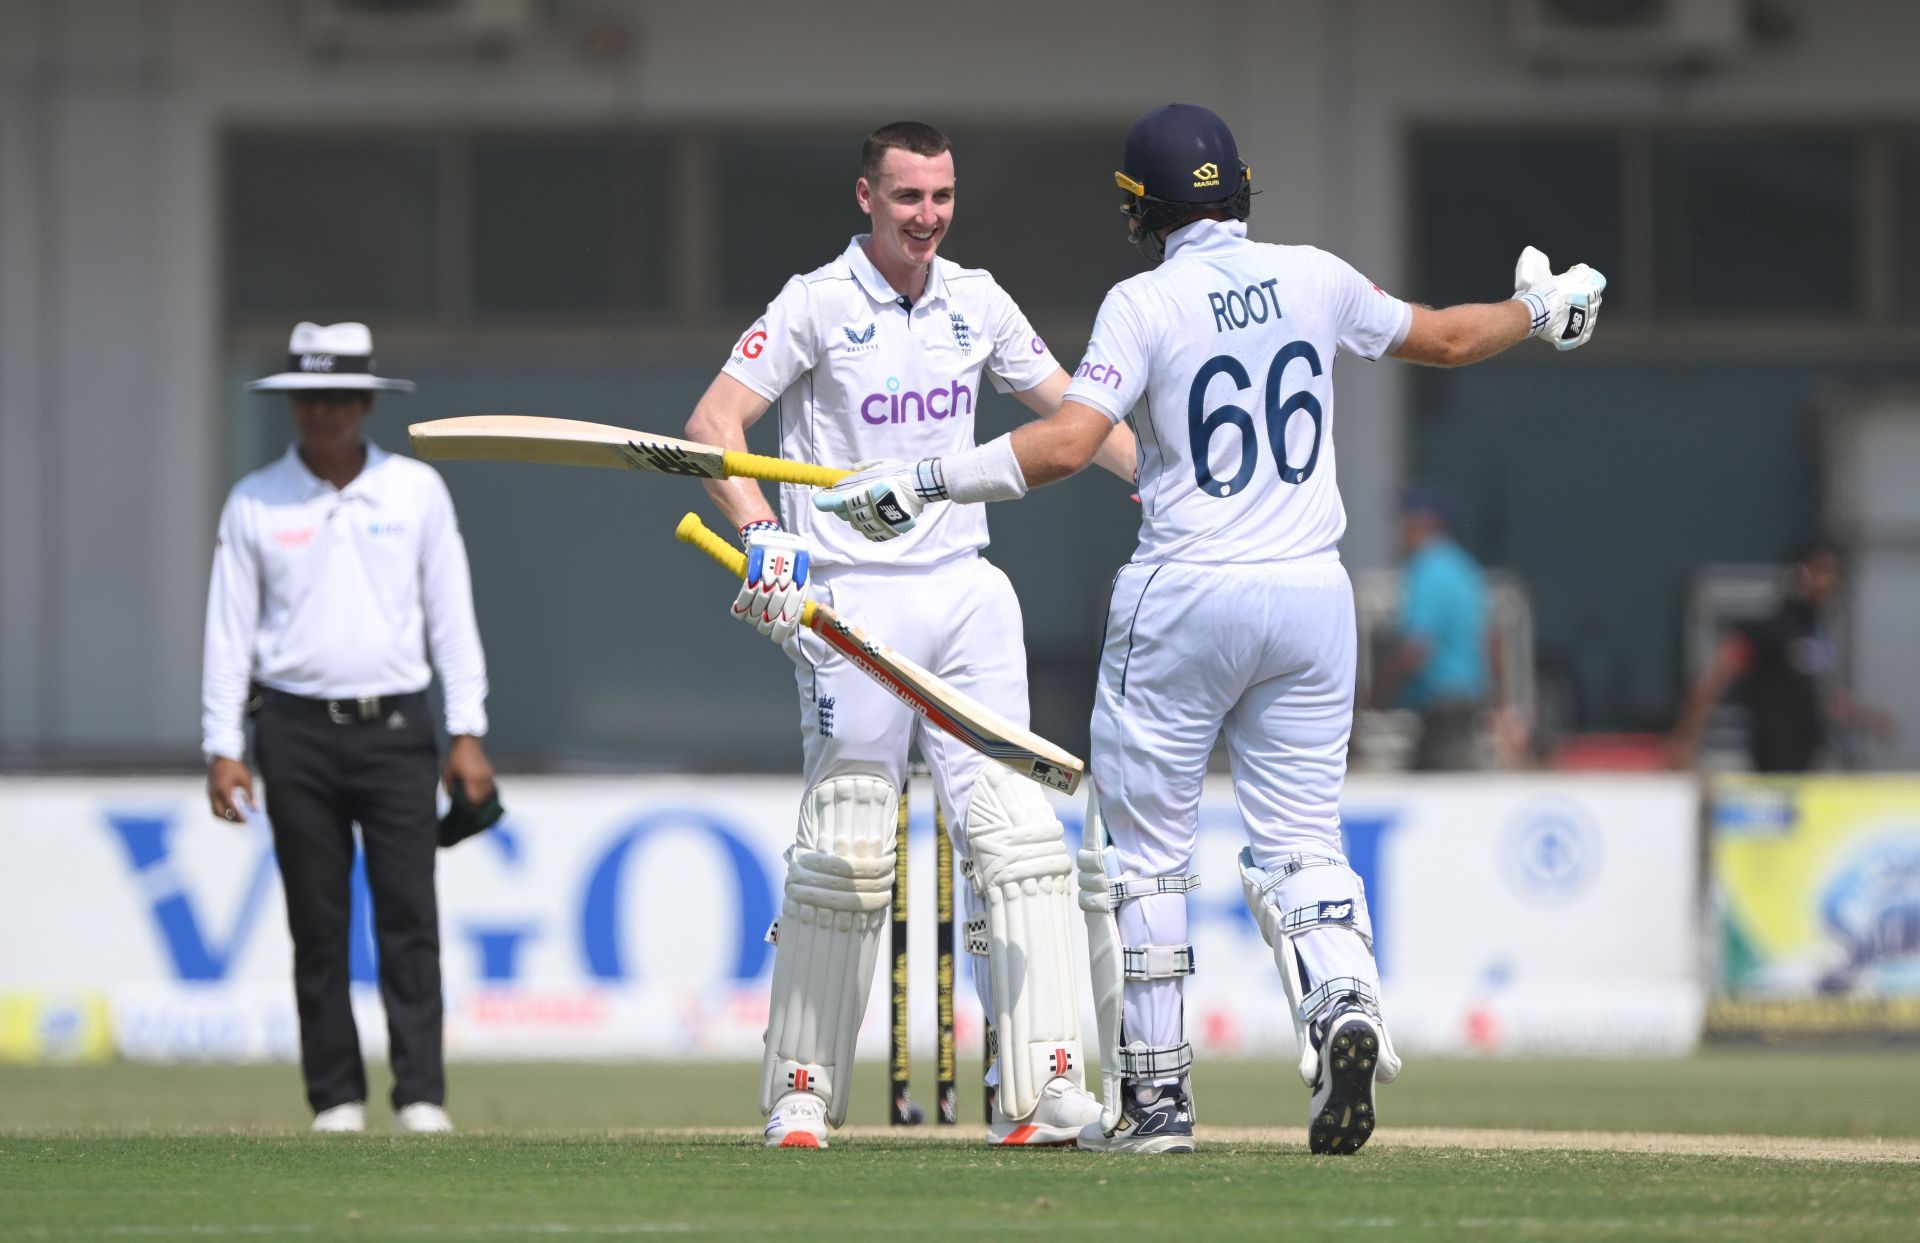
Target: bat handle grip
(780,470)
(693,531)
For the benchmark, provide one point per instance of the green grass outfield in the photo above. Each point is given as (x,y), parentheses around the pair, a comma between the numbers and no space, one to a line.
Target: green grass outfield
(1466,1149)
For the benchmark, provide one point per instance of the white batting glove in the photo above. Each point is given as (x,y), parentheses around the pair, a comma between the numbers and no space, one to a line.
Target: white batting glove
(1564,307)
(882,500)
(774,592)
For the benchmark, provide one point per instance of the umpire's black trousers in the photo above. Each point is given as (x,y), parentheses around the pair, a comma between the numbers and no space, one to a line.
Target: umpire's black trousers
(326,768)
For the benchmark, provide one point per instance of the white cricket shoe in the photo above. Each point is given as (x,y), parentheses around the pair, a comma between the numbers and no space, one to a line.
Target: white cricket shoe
(1152,1119)
(422,1118)
(1064,1110)
(348,1119)
(798,1120)
(1341,1119)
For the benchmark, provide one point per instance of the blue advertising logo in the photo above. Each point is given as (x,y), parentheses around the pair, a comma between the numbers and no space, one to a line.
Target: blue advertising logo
(1872,908)
(1550,852)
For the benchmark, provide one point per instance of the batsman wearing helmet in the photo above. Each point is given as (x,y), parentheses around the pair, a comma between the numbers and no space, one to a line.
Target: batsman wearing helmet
(880,355)
(1234,616)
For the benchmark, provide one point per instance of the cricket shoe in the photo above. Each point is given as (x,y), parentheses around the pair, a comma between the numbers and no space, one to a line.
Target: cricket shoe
(1065,1109)
(798,1120)
(1341,1119)
(348,1119)
(1161,1122)
(422,1118)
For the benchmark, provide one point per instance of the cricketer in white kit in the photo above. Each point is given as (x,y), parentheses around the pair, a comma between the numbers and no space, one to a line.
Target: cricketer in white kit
(883,353)
(1234,617)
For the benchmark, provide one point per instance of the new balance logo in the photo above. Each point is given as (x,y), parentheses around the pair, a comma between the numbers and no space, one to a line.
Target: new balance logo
(1336,910)
(1576,321)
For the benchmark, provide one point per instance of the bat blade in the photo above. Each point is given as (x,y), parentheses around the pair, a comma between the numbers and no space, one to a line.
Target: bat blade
(571,442)
(943,704)
(950,708)
(563,442)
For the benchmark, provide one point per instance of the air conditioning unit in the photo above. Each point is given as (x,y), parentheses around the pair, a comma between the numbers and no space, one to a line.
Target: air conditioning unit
(1630,34)
(415,27)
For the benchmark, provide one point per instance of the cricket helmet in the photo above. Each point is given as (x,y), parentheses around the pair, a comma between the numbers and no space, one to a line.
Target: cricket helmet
(1180,159)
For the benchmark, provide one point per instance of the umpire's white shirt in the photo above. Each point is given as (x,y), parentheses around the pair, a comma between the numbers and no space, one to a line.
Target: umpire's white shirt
(1231,343)
(860,374)
(334,593)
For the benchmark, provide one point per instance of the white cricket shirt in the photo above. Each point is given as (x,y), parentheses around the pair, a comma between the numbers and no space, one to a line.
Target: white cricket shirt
(1231,344)
(861,375)
(334,593)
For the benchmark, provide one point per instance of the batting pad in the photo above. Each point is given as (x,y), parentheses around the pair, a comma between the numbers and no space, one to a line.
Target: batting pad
(1313,911)
(839,881)
(1024,873)
(1103,888)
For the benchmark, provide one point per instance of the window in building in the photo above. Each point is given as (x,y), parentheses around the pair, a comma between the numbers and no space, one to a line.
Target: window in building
(785,205)
(330,224)
(1756,225)
(1480,198)
(1041,212)
(570,223)
(1906,226)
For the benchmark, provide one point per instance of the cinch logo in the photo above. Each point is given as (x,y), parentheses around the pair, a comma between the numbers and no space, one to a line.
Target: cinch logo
(316,362)
(894,406)
(1099,373)
(1207,174)
(751,344)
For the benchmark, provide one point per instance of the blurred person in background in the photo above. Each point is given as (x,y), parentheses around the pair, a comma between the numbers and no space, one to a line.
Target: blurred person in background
(1442,667)
(881,353)
(334,569)
(1787,675)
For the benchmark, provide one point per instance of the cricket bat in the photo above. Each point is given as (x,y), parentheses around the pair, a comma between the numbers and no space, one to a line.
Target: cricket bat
(972,722)
(570,442)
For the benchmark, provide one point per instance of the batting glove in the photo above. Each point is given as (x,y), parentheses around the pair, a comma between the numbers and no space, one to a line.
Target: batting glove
(1564,307)
(881,500)
(774,593)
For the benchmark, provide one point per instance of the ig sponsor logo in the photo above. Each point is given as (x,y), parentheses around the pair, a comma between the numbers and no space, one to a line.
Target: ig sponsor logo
(752,344)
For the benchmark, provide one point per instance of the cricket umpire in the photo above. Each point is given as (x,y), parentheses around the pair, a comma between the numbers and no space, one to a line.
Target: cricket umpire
(335,569)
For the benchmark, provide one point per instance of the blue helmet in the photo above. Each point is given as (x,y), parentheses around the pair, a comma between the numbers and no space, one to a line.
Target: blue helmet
(1180,158)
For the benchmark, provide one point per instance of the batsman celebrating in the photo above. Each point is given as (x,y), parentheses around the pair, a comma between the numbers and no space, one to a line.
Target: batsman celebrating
(879,355)
(1234,614)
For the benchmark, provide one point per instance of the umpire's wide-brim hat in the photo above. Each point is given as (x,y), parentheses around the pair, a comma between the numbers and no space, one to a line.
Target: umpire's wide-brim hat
(330,356)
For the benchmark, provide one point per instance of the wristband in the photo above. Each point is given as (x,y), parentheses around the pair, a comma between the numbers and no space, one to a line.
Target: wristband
(760,526)
(988,472)
(1536,308)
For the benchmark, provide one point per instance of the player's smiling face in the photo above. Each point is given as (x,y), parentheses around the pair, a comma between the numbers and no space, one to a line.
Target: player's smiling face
(911,205)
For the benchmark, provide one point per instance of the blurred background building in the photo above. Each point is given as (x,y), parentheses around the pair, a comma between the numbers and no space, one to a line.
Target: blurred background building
(573,207)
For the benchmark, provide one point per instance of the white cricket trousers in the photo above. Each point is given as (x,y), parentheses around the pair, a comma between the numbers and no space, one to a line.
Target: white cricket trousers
(1262,654)
(961,620)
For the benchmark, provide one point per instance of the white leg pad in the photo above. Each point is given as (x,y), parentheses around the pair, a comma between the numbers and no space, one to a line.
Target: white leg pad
(1312,910)
(839,881)
(1022,869)
(1102,888)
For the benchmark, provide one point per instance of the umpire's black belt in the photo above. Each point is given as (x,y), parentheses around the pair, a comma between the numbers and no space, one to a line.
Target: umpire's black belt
(363,710)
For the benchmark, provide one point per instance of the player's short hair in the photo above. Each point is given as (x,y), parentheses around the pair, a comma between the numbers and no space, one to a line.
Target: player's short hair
(915,136)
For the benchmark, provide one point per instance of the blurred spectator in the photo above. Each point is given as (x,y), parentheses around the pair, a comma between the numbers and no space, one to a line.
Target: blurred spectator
(333,570)
(1787,676)
(1441,667)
